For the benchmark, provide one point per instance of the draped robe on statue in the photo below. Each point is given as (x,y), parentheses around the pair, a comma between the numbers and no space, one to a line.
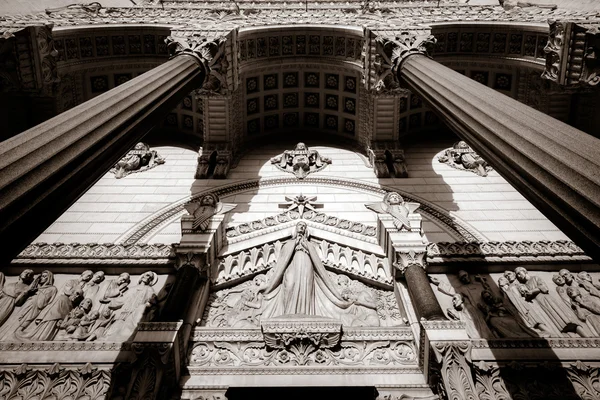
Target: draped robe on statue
(300,284)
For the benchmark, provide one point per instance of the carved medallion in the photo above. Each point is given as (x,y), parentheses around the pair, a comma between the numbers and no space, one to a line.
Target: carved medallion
(301,161)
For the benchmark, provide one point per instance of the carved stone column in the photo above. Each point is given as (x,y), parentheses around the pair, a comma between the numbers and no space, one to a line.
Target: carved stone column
(411,265)
(556,167)
(45,169)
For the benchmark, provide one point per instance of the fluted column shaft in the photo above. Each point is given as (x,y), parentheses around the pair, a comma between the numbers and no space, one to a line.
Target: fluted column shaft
(46,168)
(553,165)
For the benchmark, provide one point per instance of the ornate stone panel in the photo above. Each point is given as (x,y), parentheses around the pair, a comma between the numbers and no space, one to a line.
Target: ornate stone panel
(92,306)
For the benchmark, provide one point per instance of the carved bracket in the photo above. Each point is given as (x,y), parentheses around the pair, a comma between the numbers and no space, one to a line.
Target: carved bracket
(214,160)
(387,159)
(313,331)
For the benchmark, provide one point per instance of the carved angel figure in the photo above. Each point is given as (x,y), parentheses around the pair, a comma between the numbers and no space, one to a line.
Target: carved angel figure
(394,205)
(204,209)
(301,161)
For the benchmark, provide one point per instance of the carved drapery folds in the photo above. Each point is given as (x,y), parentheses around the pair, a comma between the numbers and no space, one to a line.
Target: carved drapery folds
(572,53)
(462,156)
(522,304)
(57,381)
(88,307)
(138,159)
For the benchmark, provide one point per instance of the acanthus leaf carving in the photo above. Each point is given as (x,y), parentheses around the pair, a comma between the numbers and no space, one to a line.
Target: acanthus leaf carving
(585,380)
(454,358)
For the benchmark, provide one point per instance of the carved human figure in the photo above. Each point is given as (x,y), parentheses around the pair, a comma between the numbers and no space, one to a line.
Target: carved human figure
(14,294)
(97,329)
(141,156)
(91,288)
(586,307)
(461,154)
(470,292)
(301,161)
(116,288)
(502,323)
(458,313)
(394,205)
(43,291)
(521,307)
(246,310)
(132,307)
(536,291)
(82,329)
(48,322)
(363,311)
(300,284)
(585,281)
(79,283)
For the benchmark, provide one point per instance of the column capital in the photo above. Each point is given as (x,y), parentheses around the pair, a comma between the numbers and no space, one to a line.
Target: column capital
(395,50)
(207,51)
(409,258)
(573,53)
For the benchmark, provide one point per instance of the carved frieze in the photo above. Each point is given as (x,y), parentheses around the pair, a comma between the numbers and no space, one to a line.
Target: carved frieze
(88,307)
(462,156)
(60,382)
(522,304)
(139,159)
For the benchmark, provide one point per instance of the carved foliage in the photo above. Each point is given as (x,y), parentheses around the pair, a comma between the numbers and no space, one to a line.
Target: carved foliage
(489,384)
(254,354)
(455,370)
(585,380)
(55,382)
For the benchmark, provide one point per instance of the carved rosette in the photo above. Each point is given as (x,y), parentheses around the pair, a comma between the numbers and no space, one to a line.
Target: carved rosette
(454,358)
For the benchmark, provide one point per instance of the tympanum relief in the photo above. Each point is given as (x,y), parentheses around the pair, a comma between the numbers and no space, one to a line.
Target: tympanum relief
(299,284)
(301,161)
(88,307)
(522,304)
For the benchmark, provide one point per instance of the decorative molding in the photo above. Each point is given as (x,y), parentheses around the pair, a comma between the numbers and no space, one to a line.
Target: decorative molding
(56,382)
(510,251)
(65,346)
(455,226)
(93,253)
(542,343)
(301,332)
(309,215)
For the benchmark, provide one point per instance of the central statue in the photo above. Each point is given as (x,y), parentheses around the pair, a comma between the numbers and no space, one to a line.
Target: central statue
(300,284)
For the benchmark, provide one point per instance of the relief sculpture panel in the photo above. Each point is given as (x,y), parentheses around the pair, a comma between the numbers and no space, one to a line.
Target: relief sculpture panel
(86,307)
(522,304)
(299,284)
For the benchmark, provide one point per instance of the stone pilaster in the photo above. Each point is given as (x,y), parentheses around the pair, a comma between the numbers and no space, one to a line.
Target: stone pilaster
(550,163)
(447,356)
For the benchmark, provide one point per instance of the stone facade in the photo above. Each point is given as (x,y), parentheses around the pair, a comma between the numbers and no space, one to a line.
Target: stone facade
(300,219)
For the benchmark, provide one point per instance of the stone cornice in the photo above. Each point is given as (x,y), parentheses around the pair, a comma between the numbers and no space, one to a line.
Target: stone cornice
(207,18)
(437,253)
